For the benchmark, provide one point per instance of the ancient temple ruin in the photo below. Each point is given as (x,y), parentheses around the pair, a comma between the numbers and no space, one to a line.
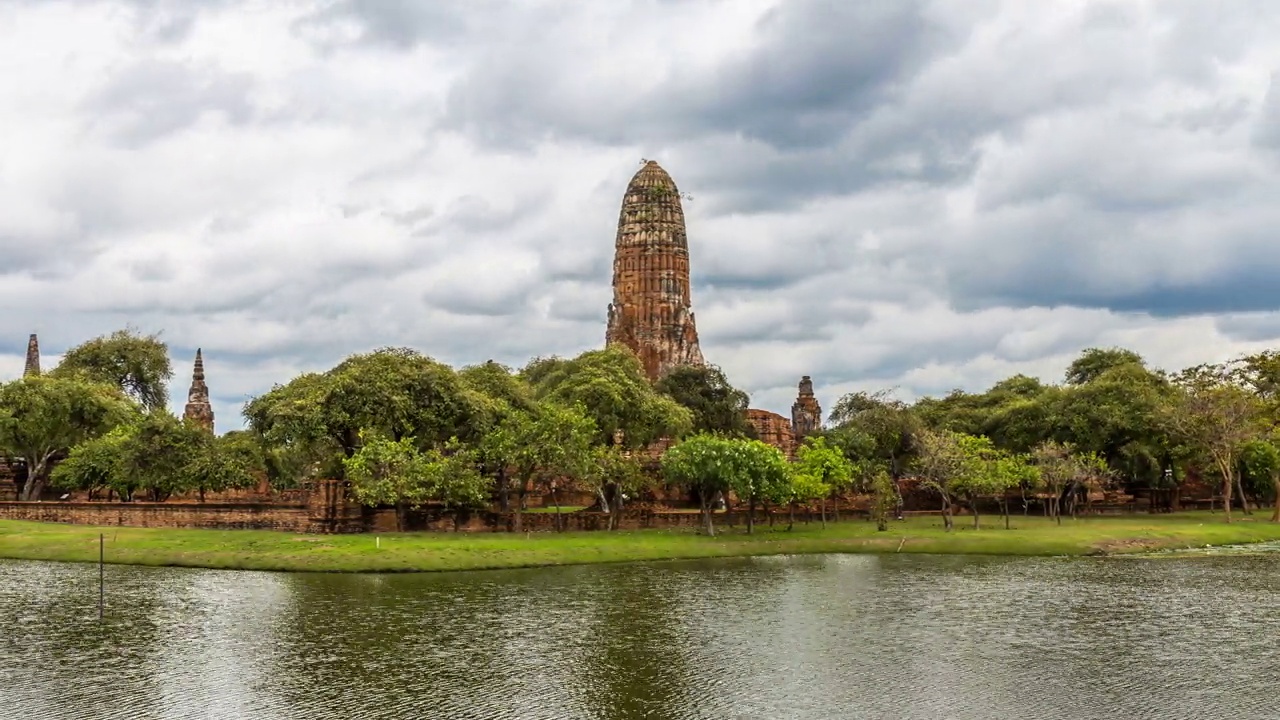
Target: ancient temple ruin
(33,357)
(806,413)
(198,409)
(650,312)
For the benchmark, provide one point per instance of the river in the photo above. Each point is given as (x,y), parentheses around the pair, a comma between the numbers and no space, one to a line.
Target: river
(896,636)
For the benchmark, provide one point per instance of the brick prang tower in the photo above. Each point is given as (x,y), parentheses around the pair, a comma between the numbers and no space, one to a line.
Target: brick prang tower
(199,409)
(650,312)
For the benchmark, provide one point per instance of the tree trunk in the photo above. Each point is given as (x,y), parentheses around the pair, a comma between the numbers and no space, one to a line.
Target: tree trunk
(201,493)
(1244,500)
(504,489)
(401,511)
(1004,508)
(946,513)
(973,506)
(791,510)
(34,486)
(555,498)
(1275,487)
(1227,484)
(520,493)
(822,506)
(706,516)
(751,516)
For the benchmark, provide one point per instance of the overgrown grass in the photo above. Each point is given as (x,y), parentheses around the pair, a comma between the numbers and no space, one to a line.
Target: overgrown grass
(407,552)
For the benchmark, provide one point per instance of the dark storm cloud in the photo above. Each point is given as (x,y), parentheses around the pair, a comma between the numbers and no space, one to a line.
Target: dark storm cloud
(1250,327)
(815,69)
(818,68)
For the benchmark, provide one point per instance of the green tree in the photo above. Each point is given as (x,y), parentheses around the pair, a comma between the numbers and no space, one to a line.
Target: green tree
(987,473)
(396,392)
(1093,362)
(704,464)
(760,475)
(163,455)
(1062,470)
(884,498)
(947,465)
(1217,416)
(613,388)
(828,465)
(803,488)
(1121,413)
(398,473)
(44,416)
(615,472)
(137,364)
(890,423)
(233,460)
(497,394)
(1260,461)
(552,443)
(716,406)
(96,465)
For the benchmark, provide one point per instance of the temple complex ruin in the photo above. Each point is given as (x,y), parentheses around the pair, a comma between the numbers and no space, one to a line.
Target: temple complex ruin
(198,409)
(651,311)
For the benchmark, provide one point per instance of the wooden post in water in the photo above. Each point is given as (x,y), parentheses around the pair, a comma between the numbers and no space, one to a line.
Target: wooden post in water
(102,553)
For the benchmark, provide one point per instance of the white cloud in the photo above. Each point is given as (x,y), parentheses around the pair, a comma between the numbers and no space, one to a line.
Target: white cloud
(925,195)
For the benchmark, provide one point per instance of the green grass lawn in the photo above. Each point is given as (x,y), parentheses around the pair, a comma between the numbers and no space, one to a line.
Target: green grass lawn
(266,550)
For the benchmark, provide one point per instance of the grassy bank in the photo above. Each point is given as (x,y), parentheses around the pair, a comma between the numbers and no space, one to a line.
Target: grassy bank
(264,550)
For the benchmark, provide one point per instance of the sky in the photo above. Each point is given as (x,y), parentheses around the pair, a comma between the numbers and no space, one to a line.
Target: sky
(884,194)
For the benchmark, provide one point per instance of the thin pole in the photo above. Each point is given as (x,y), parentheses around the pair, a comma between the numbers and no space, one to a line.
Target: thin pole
(101,573)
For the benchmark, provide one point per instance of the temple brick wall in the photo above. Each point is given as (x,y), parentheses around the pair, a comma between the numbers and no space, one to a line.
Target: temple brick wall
(248,516)
(774,429)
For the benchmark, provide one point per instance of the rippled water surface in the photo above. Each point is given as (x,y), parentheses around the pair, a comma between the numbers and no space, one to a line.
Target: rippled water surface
(803,637)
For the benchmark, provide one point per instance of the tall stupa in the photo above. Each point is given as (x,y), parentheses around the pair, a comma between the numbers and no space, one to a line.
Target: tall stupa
(650,312)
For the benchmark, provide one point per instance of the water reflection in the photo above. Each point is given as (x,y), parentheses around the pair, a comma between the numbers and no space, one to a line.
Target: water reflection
(810,637)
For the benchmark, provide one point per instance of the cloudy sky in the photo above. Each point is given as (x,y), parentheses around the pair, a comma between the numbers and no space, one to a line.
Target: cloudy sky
(924,195)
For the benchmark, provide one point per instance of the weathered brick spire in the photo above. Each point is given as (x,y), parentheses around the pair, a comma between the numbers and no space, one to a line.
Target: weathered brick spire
(33,357)
(650,312)
(806,413)
(198,408)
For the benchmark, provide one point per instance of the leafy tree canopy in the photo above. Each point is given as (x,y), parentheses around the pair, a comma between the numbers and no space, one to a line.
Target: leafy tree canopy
(716,405)
(1093,362)
(396,392)
(611,385)
(44,416)
(137,364)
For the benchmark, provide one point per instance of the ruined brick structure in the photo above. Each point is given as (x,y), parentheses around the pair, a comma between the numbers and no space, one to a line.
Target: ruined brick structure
(774,429)
(650,312)
(33,357)
(198,408)
(806,413)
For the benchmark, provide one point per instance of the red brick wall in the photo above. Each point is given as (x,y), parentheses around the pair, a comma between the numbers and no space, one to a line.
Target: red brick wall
(168,515)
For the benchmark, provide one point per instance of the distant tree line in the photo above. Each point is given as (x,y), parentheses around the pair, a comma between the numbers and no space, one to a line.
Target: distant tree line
(406,431)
